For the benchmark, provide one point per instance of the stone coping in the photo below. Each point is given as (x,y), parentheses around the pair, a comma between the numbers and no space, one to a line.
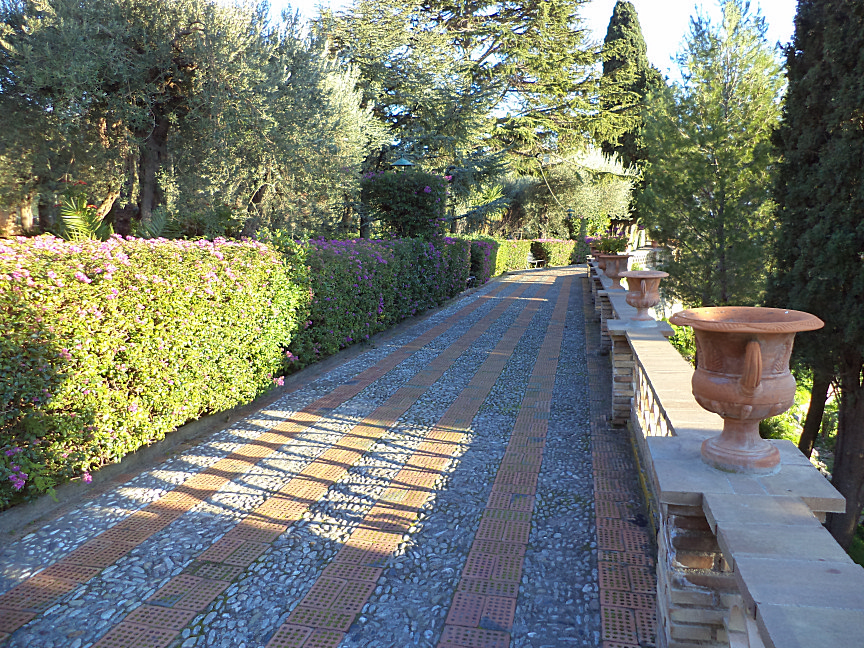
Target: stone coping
(798,584)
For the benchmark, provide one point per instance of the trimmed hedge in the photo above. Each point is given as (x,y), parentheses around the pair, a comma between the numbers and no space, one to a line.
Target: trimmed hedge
(361,287)
(555,252)
(511,255)
(109,345)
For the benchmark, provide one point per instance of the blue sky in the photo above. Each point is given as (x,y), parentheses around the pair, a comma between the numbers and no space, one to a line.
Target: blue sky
(664,22)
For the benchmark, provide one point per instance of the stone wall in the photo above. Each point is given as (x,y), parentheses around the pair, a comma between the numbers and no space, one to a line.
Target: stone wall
(743,561)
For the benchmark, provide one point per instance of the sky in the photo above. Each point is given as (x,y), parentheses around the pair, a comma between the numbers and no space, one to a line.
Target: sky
(664,23)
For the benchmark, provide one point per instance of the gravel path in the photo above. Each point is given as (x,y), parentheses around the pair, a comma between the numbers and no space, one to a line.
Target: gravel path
(253,537)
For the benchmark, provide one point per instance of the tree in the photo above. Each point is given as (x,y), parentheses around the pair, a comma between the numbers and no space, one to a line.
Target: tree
(188,107)
(436,72)
(708,183)
(626,68)
(820,239)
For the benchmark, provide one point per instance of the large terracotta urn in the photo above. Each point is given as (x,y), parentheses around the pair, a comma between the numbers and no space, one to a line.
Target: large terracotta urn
(742,374)
(643,292)
(615,265)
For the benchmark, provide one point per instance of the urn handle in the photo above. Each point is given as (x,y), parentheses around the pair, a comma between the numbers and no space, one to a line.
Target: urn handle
(752,375)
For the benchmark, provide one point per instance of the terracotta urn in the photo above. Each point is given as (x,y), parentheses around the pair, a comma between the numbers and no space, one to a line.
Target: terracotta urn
(643,292)
(615,265)
(742,374)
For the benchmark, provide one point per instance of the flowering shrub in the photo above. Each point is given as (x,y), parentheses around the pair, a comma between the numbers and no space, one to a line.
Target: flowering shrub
(410,204)
(361,287)
(556,252)
(108,346)
(484,251)
(611,244)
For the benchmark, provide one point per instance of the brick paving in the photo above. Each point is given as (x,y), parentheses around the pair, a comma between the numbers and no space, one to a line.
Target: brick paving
(482,608)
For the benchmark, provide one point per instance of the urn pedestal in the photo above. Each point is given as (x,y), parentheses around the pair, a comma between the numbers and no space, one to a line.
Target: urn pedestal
(742,374)
(643,292)
(615,264)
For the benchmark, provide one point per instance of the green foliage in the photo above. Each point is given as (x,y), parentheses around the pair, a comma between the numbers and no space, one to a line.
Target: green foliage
(611,244)
(626,68)
(820,238)
(194,106)
(361,287)
(511,255)
(484,252)
(555,252)
(708,187)
(596,187)
(684,341)
(409,204)
(111,345)
(81,222)
(436,73)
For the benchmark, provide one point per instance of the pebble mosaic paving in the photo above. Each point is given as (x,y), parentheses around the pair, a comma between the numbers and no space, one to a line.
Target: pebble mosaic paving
(435,491)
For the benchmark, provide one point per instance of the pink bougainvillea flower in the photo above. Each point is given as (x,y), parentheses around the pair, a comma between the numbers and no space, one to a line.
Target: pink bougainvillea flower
(87,477)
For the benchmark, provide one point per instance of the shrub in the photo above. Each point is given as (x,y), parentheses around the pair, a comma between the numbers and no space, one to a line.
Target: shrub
(556,252)
(110,345)
(410,204)
(361,287)
(484,252)
(511,256)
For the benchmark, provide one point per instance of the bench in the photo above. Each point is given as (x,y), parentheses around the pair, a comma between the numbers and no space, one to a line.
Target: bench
(531,262)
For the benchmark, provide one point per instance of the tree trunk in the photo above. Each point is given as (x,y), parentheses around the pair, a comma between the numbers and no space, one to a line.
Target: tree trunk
(813,421)
(848,475)
(154,151)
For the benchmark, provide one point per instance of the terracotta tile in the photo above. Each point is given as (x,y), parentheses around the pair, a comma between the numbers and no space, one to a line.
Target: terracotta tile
(324,638)
(99,553)
(475,637)
(646,626)
(352,572)
(489,588)
(621,598)
(246,554)
(321,618)
(289,636)
(214,570)
(11,620)
(133,635)
(499,548)
(479,565)
(498,613)
(507,568)
(324,592)
(37,593)
(221,549)
(160,617)
(613,576)
(618,624)
(70,572)
(466,609)
(353,597)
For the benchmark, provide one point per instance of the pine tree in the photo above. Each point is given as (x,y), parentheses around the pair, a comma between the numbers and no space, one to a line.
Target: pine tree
(627,70)
(820,198)
(708,184)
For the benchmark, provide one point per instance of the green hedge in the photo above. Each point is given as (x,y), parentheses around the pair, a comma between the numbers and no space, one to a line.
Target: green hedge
(361,287)
(511,255)
(108,346)
(555,252)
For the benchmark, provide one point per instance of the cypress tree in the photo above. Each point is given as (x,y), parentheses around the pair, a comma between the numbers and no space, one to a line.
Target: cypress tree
(628,78)
(820,238)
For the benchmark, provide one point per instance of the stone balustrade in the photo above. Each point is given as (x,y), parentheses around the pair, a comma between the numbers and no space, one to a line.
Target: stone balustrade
(742,560)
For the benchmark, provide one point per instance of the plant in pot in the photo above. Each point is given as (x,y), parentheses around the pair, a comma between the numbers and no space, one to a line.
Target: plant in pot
(610,259)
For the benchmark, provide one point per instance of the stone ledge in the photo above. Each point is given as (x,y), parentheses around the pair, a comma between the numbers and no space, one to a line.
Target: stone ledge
(788,626)
(790,582)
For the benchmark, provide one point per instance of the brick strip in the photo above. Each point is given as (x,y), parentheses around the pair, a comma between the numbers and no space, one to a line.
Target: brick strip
(484,605)
(33,596)
(628,598)
(331,605)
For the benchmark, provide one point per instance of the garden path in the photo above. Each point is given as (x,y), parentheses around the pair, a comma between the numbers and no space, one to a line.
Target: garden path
(454,486)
